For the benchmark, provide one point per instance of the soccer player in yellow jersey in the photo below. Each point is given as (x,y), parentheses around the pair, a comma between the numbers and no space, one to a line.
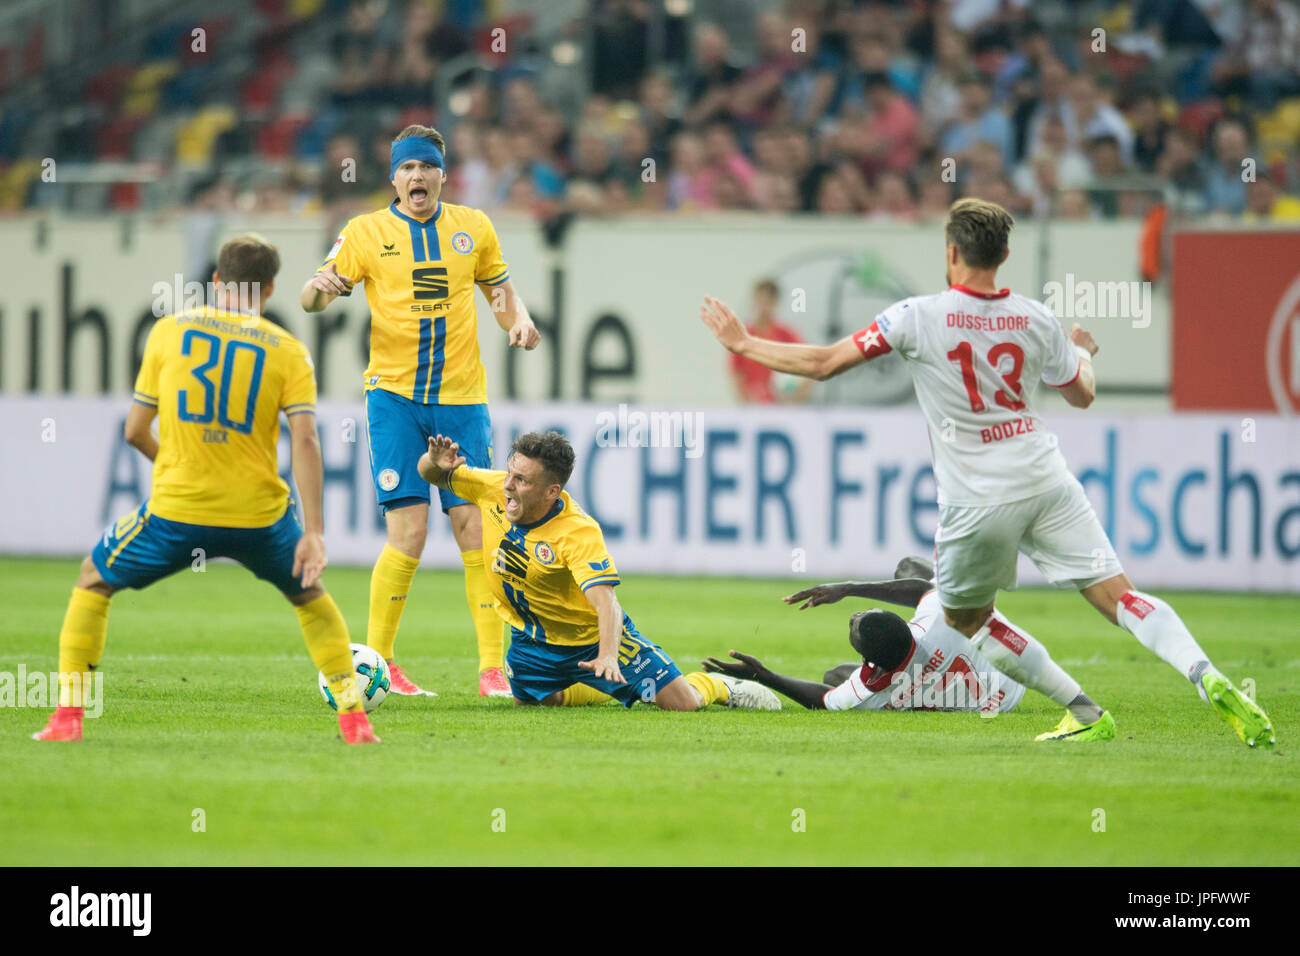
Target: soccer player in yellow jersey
(420,259)
(218,380)
(554,581)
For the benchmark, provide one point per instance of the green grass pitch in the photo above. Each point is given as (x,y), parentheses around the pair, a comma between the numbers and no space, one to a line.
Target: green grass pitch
(211,705)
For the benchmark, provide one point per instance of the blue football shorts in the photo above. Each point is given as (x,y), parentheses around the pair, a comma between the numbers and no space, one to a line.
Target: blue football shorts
(399,431)
(537,669)
(141,548)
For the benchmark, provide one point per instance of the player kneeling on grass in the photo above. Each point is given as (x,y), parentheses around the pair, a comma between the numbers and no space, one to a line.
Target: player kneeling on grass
(904,665)
(217,378)
(553,581)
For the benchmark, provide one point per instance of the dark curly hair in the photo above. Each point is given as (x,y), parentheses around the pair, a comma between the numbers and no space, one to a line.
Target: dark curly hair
(551,449)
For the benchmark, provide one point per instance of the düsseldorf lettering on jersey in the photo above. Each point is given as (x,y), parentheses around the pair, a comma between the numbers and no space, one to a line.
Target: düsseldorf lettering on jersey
(976,359)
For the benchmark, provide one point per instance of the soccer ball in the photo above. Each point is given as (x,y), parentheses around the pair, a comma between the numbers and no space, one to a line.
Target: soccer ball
(371,675)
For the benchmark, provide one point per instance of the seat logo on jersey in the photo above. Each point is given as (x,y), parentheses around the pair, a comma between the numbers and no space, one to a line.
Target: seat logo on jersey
(543,552)
(430,282)
(871,342)
(462,243)
(388,479)
(510,559)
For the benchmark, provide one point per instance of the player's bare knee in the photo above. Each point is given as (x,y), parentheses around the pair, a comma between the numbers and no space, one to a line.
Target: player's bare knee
(88,578)
(407,538)
(466,527)
(307,596)
(553,700)
(679,695)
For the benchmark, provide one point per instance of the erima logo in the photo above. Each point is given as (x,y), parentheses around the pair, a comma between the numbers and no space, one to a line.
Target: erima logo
(389,249)
(102,909)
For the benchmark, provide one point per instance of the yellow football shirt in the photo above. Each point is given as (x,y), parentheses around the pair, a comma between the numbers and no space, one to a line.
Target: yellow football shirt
(220,381)
(419,280)
(540,571)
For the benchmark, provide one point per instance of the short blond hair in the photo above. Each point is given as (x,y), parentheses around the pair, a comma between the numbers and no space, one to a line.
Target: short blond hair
(423,132)
(979,229)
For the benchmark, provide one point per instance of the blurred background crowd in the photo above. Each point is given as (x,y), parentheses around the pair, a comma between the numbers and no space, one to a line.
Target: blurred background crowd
(875,109)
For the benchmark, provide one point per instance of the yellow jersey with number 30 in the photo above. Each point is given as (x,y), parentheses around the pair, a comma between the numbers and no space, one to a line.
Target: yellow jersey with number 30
(220,381)
(539,571)
(419,280)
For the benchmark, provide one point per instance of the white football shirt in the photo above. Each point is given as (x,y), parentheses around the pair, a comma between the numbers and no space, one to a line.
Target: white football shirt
(976,359)
(940,673)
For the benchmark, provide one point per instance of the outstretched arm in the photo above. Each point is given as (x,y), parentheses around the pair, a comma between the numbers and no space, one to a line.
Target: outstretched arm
(436,465)
(811,361)
(906,592)
(809,693)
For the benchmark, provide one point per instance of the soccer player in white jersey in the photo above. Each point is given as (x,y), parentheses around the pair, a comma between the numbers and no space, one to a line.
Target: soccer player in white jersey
(903,667)
(976,354)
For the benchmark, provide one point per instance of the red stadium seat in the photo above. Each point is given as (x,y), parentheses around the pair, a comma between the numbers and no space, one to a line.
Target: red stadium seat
(105,88)
(259,93)
(113,140)
(276,139)
(124,197)
(34,51)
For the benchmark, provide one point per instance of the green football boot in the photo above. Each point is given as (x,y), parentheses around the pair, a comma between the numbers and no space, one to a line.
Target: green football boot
(1103,728)
(1245,716)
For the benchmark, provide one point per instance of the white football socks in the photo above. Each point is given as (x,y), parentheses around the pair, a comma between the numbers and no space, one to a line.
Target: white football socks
(1023,658)
(1160,629)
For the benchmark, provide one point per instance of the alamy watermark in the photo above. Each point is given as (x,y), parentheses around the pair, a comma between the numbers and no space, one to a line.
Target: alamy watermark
(633,428)
(175,296)
(1086,299)
(41,689)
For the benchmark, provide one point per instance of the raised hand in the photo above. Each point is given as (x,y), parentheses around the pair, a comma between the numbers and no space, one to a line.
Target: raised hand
(1083,338)
(723,323)
(309,558)
(523,334)
(329,281)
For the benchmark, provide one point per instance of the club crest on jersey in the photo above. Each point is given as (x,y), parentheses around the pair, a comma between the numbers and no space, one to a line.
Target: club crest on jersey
(462,243)
(543,552)
(388,479)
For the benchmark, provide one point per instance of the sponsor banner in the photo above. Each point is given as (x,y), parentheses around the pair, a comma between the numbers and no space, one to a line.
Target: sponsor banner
(1189,501)
(1237,341)
(618,303)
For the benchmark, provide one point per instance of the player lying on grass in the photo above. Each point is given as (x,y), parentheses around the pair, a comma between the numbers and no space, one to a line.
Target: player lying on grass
(976,354)
(554,581)
(904,666)
(218,379)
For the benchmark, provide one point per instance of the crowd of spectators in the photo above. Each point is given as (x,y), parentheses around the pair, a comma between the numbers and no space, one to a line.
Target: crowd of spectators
(880,110)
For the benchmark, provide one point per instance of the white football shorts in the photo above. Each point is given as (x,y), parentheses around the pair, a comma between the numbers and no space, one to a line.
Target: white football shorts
(976,548)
